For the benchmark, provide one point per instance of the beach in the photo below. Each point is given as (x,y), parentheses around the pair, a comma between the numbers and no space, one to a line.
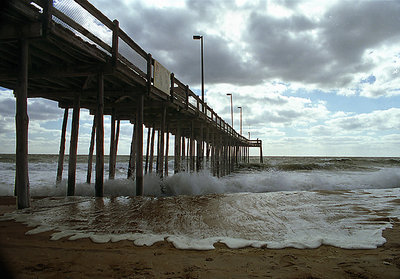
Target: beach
(36,256)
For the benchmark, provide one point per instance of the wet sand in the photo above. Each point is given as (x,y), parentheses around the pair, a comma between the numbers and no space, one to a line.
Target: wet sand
(35,256)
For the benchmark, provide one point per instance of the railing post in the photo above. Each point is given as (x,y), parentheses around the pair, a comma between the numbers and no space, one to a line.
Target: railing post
(187,97)
(171,90)
(115,43)
(47,15)
(148,76)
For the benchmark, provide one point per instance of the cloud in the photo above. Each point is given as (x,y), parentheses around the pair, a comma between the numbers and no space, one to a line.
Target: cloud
(327,50)
(41,109)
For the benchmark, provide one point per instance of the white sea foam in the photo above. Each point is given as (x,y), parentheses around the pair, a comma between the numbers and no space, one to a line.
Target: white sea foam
(272,206)
(204,183)
(346,219)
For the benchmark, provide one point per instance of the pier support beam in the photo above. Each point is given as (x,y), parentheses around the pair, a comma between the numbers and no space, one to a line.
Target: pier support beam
(116,143)
(73,147)
(153,132)
(132,154)
(261,154)
(160,154)
(146,167)
(199,161)
(192,151)
(62,147)
(111,164)
(91,149)
(177,150)
(21,123)
(166,153)
(99,184)
(183,153)
(139,145)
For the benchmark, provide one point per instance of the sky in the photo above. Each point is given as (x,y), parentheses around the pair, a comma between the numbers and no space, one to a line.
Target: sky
(314,78)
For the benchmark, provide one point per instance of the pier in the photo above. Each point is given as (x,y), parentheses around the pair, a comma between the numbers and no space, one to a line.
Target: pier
(50,53)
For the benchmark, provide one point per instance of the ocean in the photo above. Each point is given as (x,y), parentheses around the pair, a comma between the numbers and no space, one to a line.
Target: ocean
(300,202)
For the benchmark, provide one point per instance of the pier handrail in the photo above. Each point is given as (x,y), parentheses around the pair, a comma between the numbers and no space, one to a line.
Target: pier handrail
(180,94)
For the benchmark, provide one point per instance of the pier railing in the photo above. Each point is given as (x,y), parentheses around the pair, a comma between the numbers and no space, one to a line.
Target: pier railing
(78,15)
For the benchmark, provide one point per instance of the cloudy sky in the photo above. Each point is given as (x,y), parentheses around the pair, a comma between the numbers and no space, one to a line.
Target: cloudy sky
(317,78)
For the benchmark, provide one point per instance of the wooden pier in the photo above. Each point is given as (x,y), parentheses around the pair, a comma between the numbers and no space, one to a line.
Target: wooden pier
(47,53)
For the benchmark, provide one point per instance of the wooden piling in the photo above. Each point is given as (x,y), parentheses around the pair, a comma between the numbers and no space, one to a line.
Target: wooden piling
(152,149)
(91,149)
(212,154)
(166,153)
(132,154)
(199,161)
(111,165)
(73,147)
(116,143)
(161,143)
(146,167)
(177,149)
(139,146)
(261,153)
(183,153)
(188,156)
(99,183)
(192,151)
(62,147)
(158,152)
(21,122)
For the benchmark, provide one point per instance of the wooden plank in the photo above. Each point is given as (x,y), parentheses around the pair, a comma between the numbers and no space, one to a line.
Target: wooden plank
(15,32)
(95,12)
(21,121)
(62,147)
(99,184)
(73,146)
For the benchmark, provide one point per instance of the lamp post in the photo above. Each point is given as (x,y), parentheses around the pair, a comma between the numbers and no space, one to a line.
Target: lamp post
(229,94)
(240,120)
(199,37)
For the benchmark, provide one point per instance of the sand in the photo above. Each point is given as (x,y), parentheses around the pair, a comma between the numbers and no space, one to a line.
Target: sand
(35,256)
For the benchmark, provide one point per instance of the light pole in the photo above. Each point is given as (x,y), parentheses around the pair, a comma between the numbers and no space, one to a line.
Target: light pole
(229,94)
(249,135)
(199,37)
(240,120)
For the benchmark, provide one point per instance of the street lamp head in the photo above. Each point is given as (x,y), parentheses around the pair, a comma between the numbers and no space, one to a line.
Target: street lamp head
(197,37)
(228,94)
(239,107)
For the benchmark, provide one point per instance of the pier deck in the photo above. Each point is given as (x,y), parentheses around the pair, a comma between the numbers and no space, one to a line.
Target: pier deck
(50,52)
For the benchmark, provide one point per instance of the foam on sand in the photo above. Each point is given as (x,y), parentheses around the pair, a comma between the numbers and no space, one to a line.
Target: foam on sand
(346,219)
